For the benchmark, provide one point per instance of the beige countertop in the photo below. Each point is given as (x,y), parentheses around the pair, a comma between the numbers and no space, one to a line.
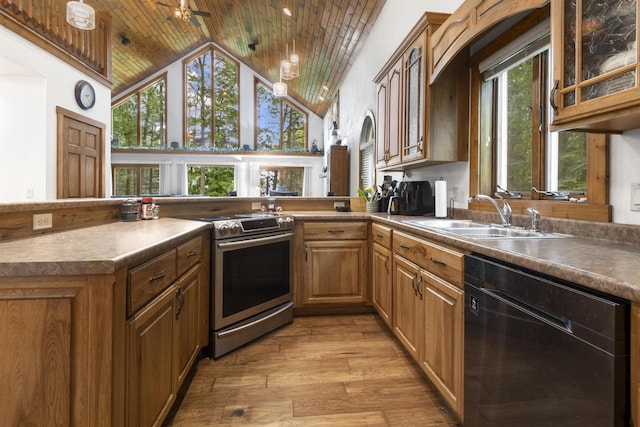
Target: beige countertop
(93,250)
(602,265)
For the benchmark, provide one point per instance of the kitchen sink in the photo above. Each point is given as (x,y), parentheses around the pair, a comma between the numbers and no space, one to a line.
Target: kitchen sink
(479,230)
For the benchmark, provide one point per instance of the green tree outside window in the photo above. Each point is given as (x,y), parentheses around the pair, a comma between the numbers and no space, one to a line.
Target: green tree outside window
(215,181)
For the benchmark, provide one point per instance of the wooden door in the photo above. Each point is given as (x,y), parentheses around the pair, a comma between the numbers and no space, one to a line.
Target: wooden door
(151,362)
(335,271)
(381,282)
(382,138)
(80,156)
(441,356)
(407,305)
(395,112)
(187,311)
(413,141)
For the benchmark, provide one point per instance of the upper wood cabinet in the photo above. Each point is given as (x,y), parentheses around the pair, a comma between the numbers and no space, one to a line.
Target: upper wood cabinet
(407,106)
(595,70)
(467,23)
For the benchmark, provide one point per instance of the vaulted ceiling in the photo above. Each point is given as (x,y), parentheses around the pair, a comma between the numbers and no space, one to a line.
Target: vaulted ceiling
(327,34)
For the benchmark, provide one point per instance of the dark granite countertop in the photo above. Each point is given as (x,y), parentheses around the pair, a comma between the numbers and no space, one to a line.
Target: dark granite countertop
(94,250)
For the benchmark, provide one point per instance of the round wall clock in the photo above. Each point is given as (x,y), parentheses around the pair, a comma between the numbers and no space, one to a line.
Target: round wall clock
(85,94)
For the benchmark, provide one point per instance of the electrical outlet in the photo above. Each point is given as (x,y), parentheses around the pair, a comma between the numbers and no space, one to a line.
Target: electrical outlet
(256,206)
(338,205)
(41,221)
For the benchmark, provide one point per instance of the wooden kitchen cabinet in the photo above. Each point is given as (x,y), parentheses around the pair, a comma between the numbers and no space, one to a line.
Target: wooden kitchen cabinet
(441,356)
(151,382)
(407,305)
(407,106)
(164,336)
(389,110)
(382,275)
(429,310)
(595,69)
(335,258)
(338,170)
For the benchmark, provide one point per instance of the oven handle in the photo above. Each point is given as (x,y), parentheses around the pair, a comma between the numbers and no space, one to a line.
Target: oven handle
(253,242)
(255,322)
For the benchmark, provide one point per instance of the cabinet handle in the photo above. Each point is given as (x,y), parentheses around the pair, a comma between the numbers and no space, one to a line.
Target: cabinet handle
(403,246)
(437,261)
(192,253)
(306,253)
(552,97)
(157,276)
(180,298)
(413,283)
(418,287)
(386,263)
(379,235)
(336,231)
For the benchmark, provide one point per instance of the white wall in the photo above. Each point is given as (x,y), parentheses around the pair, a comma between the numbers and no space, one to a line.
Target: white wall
(32,84)
(357,94)
(173,168)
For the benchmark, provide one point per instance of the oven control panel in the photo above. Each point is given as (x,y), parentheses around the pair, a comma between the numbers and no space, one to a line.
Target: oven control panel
(254,224)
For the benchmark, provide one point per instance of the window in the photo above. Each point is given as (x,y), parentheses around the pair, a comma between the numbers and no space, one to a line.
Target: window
(210,180)
(211,89)
(279,125)
(140,119)
(515,149)
(134,180)
(282,179)
(367,152)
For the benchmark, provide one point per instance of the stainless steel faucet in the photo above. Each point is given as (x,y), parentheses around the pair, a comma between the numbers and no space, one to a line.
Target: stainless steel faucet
(504,212)
(535,219)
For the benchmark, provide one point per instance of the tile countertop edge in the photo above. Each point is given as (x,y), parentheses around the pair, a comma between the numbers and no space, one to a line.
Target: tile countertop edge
(67,253)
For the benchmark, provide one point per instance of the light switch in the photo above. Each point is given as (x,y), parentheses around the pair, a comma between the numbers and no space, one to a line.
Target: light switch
(635,196)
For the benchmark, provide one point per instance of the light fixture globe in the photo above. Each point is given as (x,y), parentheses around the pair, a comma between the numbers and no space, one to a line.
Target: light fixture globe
(80,15)
(280,89)
(294,59)
(285,70)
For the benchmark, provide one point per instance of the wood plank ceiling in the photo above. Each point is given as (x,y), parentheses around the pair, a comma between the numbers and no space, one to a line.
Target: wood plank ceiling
(328,34)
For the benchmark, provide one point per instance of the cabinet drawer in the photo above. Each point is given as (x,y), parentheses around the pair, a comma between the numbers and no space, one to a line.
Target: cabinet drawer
(443,262)
(381,234)
(335,230)
(189,254)
(149,279)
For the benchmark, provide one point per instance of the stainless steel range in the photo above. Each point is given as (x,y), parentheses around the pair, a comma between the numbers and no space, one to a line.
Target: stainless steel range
(251,277)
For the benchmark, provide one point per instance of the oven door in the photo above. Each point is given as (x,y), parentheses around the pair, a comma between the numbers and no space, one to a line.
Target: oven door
(251,275)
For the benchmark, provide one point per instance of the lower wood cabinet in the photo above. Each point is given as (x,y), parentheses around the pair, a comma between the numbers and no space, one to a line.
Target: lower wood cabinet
(428,311)
(335,263)
(381,280)
(441,356)
(151,362)
(407,305)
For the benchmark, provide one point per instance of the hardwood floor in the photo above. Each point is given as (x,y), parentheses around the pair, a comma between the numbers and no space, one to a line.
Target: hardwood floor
(317,371)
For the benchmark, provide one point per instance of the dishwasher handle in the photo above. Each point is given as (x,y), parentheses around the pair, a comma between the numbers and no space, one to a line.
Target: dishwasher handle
(549,318)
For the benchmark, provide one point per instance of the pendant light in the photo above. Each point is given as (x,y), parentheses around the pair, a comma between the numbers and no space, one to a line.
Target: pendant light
(80,15)
(294,59)
(280,88)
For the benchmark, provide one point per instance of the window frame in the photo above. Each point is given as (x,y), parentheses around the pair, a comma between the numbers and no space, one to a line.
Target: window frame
(213,50)
(137,93)
(596,208)
(138,167)
(282,168)
(268,86)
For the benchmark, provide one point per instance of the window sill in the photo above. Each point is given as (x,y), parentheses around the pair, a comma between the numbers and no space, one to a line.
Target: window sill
(553,209)
(217,152)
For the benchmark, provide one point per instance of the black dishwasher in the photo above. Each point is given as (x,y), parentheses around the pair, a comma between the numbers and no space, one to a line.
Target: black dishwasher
(541,352)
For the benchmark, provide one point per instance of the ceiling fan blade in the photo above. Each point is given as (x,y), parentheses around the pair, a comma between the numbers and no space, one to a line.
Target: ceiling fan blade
(193,20)
(201,13)
(164,4)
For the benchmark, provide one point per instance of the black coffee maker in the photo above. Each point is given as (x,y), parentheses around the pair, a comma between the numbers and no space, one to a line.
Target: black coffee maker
(415,198)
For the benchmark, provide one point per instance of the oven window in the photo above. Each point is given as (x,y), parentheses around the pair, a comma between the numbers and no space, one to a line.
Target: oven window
(255,275)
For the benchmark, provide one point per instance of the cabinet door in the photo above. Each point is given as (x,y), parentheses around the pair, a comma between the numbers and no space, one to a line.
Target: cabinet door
(414,101)
(187,321)
(382,137)
(395,112)
(382,292)
(335,271)
(407,305)
(595,68)
(151,365)
(441,355)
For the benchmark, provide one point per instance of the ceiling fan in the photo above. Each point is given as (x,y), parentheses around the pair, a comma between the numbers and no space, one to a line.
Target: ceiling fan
(185,13)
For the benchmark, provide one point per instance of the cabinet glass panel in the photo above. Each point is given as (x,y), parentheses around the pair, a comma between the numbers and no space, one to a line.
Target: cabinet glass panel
(570,50)
(608,34)
(414,99)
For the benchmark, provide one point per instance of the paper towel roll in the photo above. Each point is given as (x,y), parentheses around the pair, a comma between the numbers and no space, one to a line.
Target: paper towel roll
(441,199)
